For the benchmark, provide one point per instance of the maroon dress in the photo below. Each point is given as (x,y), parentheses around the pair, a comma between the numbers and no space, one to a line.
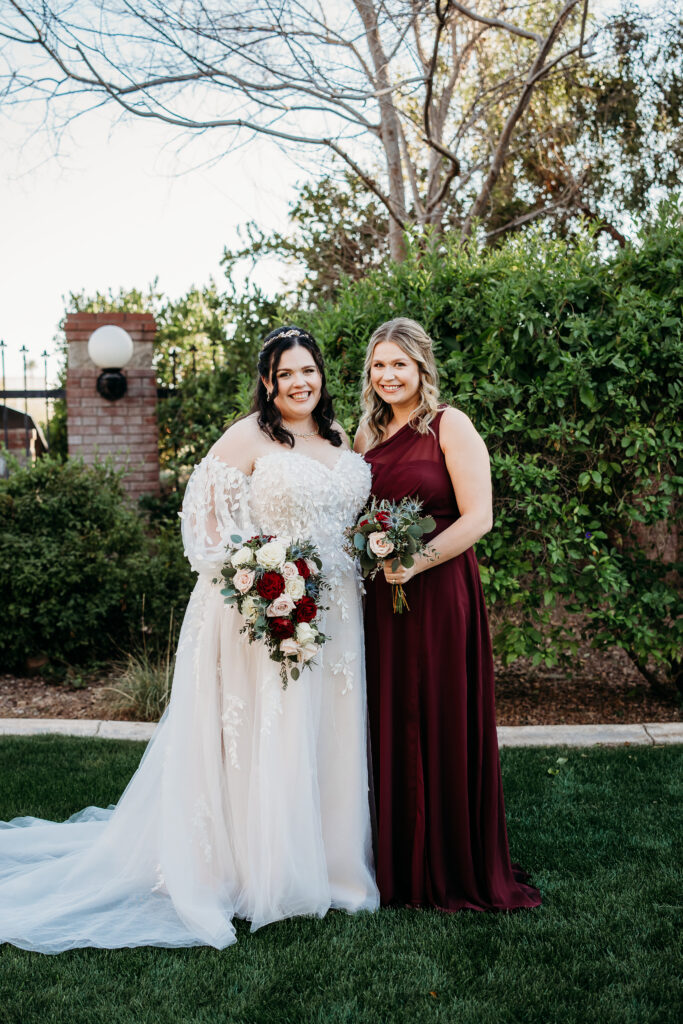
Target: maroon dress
(442,838)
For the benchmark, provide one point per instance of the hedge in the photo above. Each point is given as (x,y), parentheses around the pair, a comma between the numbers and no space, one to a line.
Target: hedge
(569,364)
(81,577)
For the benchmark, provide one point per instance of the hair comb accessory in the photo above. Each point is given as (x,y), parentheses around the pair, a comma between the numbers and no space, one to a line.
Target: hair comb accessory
(293,333)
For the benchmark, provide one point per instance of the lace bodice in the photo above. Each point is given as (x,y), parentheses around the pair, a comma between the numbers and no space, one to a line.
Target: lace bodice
(288,495)
(296,496)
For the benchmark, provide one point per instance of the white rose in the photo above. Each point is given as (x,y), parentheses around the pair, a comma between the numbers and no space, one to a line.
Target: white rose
(282,605)
(305,633)
(380,544)
(245,556)
(271,555)
(296,588)
(312,566)
(243,580)
(250,609)
(309,651)
(289,647)
(289,570)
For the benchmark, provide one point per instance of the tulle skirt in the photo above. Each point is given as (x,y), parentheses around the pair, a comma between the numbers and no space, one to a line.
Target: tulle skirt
(249,802)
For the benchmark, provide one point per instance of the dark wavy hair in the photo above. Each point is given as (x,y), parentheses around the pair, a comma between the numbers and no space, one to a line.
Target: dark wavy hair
(269,418)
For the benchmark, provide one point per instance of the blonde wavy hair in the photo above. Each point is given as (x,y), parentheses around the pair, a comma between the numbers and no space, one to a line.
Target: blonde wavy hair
(412,339)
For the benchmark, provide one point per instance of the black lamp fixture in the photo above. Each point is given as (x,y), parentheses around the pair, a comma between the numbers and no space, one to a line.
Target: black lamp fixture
(110,347)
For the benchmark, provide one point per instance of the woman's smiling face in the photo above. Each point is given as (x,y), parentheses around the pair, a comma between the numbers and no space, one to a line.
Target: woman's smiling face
(299,383)
(394,375)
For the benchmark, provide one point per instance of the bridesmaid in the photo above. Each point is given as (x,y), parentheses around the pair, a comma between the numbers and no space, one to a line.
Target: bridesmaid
(442,838)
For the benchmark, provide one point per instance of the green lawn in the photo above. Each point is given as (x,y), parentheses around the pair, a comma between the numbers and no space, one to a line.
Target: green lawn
(602,838)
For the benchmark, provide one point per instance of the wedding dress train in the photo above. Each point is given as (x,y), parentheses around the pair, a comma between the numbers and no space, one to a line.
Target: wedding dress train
(249,801)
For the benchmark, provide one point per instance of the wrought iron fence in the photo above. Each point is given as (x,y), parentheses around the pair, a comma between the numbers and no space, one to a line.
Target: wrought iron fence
(23,394)
(51,394)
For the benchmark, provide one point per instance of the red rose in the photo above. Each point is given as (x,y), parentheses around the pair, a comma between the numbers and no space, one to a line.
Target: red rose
(304,571)
(270,586)
(384,519)
(282,628)
(305,610)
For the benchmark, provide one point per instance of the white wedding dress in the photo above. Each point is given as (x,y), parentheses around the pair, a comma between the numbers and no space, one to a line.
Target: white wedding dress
(249,801)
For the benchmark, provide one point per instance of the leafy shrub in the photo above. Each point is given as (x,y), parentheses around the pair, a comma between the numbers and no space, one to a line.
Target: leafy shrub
(76,563)
(569,364)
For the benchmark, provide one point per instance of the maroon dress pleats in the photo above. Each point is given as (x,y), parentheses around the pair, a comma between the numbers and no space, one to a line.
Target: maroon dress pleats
(442,837)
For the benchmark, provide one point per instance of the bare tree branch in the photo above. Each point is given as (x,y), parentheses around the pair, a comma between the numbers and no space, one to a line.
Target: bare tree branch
(416,97)
(538,69)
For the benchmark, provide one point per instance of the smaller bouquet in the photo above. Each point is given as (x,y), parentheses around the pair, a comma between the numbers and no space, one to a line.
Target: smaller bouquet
(277,587)
(390,528)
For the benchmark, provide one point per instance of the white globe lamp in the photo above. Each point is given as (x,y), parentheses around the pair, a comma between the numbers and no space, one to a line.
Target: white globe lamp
(110,347)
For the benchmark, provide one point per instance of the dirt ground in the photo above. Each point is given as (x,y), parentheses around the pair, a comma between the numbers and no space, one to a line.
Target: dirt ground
(600,687)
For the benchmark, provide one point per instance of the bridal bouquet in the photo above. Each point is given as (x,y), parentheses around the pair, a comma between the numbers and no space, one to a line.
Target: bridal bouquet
(389,528)
(276,587)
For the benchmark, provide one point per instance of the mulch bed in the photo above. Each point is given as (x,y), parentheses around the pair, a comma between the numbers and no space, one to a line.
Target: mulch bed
(599,687)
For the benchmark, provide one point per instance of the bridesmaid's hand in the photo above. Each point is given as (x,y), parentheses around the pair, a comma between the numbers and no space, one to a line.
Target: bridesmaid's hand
(400,575)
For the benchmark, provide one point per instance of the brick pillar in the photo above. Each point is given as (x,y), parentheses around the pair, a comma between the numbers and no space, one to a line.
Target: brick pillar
(125,430)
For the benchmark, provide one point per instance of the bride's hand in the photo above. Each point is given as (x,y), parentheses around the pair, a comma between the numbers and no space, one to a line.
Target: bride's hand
(398,576)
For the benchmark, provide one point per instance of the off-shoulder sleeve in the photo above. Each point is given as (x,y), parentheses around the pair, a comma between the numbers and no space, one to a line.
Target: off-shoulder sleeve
(215,506)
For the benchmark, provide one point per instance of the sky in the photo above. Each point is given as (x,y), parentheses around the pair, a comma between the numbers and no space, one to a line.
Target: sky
(111,207)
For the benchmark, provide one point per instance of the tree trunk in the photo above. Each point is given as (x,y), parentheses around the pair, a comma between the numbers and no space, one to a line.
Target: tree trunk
(389,131)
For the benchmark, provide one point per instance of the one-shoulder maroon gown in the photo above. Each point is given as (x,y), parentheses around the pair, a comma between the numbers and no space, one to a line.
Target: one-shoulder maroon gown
(441,832)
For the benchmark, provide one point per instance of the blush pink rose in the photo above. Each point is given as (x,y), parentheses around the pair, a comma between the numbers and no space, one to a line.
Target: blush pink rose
(281,606)
(380,544)
(289,570)
(312,567)
(243,580)
(289,647)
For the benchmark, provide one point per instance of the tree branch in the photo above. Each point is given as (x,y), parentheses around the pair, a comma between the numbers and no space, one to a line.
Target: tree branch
(537,70)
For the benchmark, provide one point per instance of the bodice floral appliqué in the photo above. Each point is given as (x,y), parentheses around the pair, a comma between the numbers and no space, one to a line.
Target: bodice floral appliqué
(293,495)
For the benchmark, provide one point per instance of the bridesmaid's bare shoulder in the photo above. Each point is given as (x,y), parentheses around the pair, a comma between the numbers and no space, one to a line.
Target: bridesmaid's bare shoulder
(457,430)
(362,440)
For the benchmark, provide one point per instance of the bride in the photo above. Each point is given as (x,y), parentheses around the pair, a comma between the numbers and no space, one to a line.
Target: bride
(249,801)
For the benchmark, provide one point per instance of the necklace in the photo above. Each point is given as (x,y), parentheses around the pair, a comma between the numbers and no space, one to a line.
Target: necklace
(294,433)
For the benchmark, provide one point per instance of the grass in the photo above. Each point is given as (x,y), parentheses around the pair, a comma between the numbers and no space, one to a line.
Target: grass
(603,841)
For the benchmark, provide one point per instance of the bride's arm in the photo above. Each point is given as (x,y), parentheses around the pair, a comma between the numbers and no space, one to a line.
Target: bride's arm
(467,461)
(239,445)
(215,505)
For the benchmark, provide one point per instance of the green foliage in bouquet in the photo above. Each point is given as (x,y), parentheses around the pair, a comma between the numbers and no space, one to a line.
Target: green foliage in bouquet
(276,587)
(390,531)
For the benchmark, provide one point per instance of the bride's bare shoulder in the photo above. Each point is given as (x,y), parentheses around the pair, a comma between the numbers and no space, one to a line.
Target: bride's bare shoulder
(239,445)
